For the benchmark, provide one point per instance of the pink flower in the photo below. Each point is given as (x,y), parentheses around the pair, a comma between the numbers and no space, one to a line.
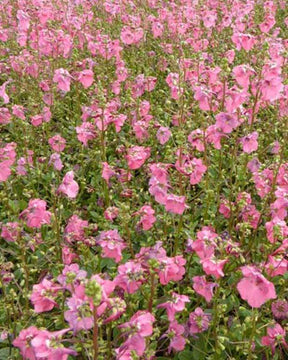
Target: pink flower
(23,342)
(107,172)
(249,142)
(198,170)
(131,36)
(198,321)
(69,186)
(62,78)
(203,288)
(242,75)
(85,132)
(136,156)
(175,204)
(75,229)
(36,214)
(224,208)
(111,213)
(171,269)
(205,244)
(276,230)
(176,304)
(255,288)
(140,326)
(48,345)
(175,332)
(86,78)
(55,160)
(130,276)
(163,135)
(196,139)
(10,231)
(271,88)
(267,24)
(43,296)
(80,313)
(68,256)
(3,93)
(71,274)
(213,267)
(147,217)
(112,244)
(276,265)
(5,116)
(275,336)
(226,122)
(57,143)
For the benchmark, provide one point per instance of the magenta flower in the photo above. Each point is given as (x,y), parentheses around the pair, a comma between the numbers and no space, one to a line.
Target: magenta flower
(176,304)
(85,132)
(175,204)
(10,231)
(226,122)
(136,156)
(130,276)
(138,327)
(36,214)
(112,244)
(57,143)
(62,78)
(198,321)
(23,342)
(213,266)
(175,333)
(43,296)
(280,309)
(86,78)
(163,135)
(49,345)
(255,288)
(147,217)
(75,229)
(203,288)
(69,186)
(249,142)
(275,336)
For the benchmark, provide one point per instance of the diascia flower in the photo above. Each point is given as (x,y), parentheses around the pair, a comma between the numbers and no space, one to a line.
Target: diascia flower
(10,231)
(86,78)
(112,244)
(130,276)
(203,287)
(43,296)
(23,342)
(140,326)
(136,156)
(69,186)
(147,217)
(62,78)
(249,142)
(175,204)
(275,336)
(48,345)
(36,214)
(57,143)
(176,304)
(198,321)
(255,288)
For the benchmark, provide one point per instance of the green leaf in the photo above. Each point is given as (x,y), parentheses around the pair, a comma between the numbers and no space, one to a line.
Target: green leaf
(185,355)
(4,353)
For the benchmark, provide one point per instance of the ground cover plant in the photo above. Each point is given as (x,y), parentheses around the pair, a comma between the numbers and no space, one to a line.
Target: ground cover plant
(143,179)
